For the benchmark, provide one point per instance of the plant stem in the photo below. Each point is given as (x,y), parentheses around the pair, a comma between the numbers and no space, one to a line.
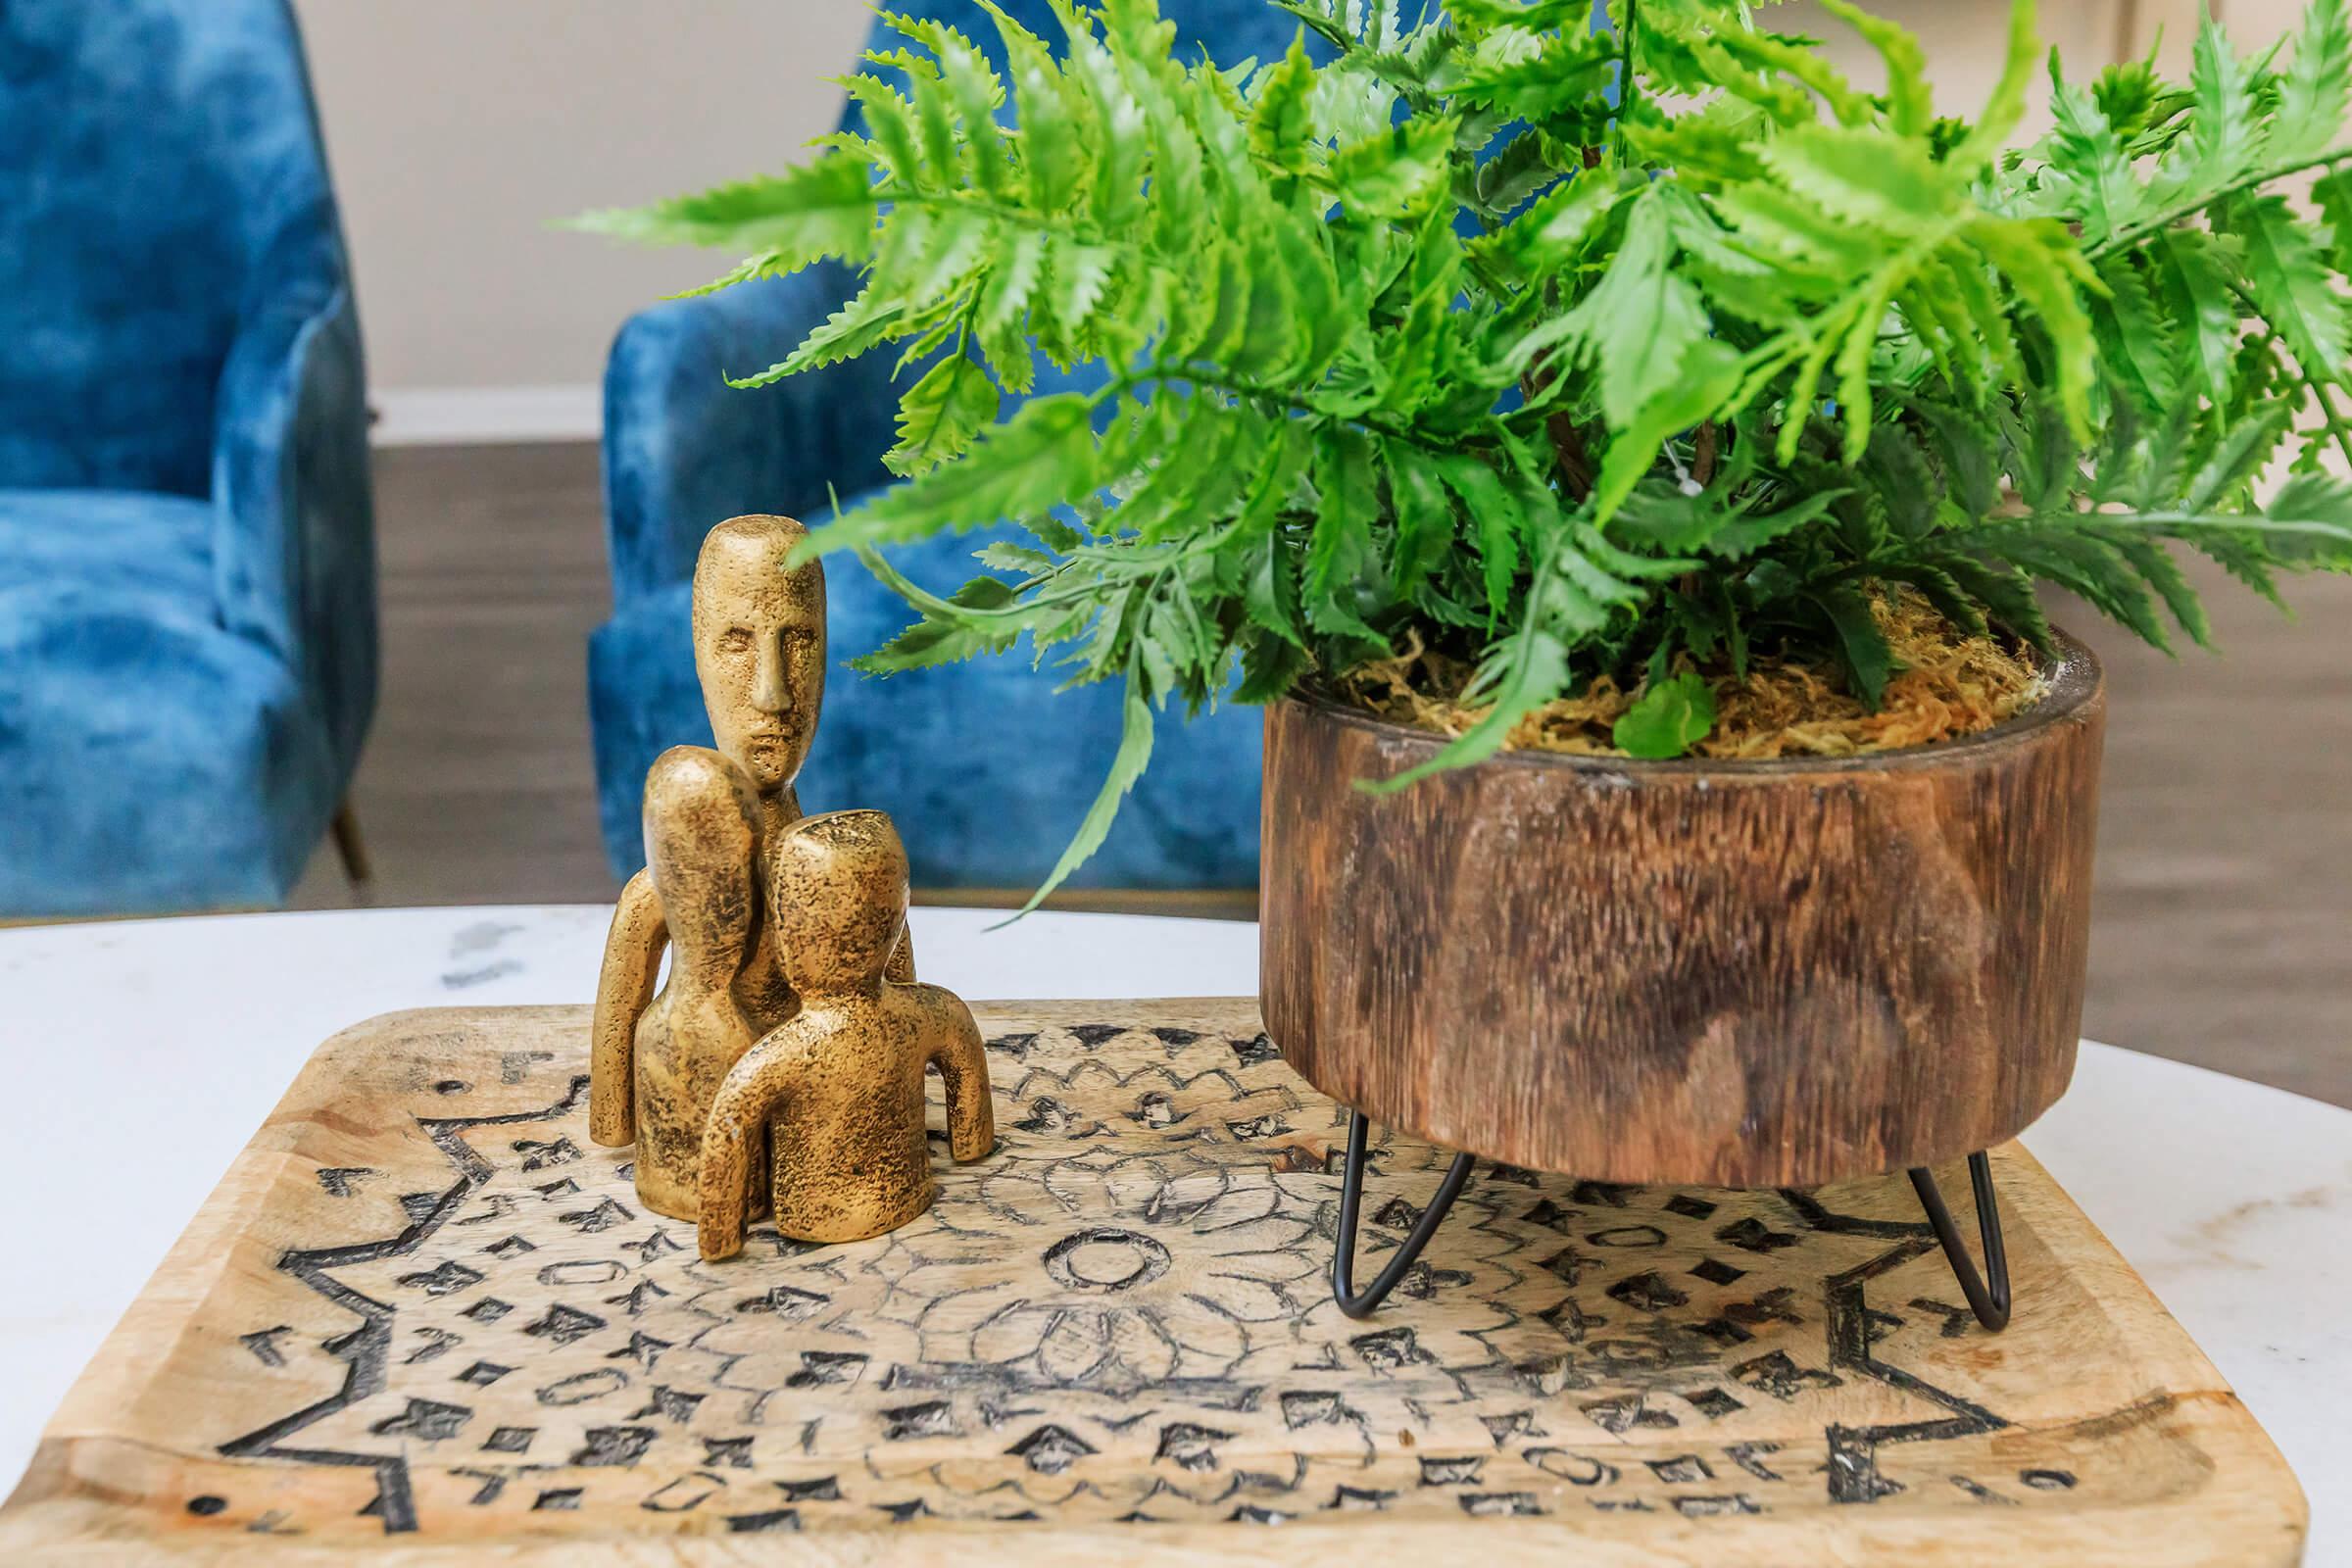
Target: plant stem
(2123,238)
(1567,441)
(2335,420)
(1271,397)
(2317,388)
(1627,91)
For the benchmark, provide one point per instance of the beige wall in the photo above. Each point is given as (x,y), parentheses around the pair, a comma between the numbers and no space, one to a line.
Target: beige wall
(1965,41)
(458,128)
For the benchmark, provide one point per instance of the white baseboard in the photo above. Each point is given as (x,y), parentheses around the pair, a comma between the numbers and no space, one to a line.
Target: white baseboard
(471,416)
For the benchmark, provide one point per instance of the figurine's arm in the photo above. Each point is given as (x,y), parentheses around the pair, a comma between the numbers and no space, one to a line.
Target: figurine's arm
(623,986)
(731,1138)
(963,1063)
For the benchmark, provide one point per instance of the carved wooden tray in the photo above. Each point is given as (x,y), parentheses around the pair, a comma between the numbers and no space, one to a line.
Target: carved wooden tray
(424,1310)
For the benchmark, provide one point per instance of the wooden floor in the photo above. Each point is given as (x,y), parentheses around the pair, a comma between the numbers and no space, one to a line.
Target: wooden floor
(476,786)
(2224,919)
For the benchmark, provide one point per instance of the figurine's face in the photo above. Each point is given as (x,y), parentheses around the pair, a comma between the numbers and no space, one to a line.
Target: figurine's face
(760,646)
(839,900)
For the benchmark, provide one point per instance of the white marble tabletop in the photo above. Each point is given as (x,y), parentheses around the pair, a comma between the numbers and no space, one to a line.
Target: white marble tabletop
(143,1055)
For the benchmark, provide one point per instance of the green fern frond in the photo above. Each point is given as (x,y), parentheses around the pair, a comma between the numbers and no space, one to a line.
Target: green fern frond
(1422,331)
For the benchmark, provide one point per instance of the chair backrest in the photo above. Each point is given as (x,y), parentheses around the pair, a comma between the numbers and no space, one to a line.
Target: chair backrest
(1230,30)
(152,153)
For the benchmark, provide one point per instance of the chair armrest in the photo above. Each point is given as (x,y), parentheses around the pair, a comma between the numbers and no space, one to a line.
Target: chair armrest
(684,451)
(294,531)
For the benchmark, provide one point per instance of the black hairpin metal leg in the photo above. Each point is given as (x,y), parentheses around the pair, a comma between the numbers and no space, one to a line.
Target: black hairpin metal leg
(1990,1302)
(1351,1193)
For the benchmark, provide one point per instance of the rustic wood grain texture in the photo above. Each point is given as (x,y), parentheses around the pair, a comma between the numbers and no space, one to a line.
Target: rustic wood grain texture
(424,1320)
(1760,973)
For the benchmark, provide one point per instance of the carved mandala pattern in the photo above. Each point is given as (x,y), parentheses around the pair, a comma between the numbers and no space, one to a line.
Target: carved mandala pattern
(1123,1315)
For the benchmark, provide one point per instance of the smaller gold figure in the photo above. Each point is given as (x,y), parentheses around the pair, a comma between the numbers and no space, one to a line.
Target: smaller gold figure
(836,1091)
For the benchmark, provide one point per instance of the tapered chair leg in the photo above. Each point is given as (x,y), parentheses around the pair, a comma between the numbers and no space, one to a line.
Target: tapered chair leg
(350,847)
(1352,1194)
(1989,1299)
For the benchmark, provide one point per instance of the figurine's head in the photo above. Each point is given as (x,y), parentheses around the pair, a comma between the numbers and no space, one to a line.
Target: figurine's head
(760,645)
(701,836)
(839,900)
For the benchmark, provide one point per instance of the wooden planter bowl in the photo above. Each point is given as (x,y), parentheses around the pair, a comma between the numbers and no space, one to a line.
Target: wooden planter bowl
(1742,975)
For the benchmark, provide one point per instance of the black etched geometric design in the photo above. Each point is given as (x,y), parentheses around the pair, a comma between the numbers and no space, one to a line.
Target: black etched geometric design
(426,1420)
(1599,1339)
(1776,1374)
(444,1279)
(615,1445)
(1255,1051)
(642,1349)
(825,1488)
(564,1324)
(1753,1235)
(339,1181)
(1051,1450)
(364,1350)
(933,1418)
(1649,1292)
(822,1367)
(1626,1413)
(1460,1471)
(1713,1403)
(676,1406)
(538,1155)
(1191,1447)
(730,1453)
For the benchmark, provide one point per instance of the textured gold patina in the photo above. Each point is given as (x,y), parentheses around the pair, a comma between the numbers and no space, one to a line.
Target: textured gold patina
(699,833)
(837,1091)
(710,819)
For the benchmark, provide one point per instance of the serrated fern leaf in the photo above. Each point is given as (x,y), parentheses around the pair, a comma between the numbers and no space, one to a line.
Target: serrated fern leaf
(1127,766)
(2287,274)
(940,413)
(1561,351)
(824,209)
(2312,96)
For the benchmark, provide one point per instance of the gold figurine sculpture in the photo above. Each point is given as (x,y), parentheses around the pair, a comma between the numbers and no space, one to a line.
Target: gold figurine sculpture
(711,818)
(836,1093)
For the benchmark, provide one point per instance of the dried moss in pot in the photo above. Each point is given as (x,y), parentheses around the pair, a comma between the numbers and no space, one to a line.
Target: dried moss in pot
(1947,683)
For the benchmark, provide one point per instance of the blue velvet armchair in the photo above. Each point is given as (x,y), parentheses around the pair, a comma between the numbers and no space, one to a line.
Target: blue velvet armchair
(187,577)
(986,768)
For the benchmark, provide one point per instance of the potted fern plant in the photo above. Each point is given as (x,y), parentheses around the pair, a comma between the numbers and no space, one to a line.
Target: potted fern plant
(1622,459)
